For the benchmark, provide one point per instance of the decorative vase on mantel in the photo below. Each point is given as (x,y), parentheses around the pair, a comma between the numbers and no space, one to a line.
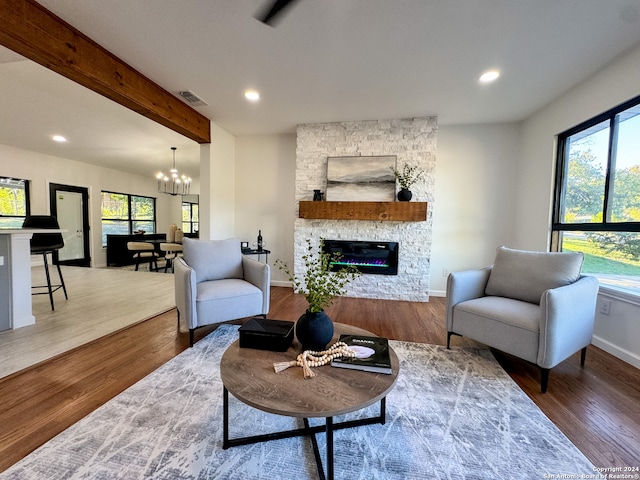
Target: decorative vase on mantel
(314,330)
(404,195)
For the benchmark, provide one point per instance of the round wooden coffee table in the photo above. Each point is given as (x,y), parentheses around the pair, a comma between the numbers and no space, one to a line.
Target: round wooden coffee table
(249,375)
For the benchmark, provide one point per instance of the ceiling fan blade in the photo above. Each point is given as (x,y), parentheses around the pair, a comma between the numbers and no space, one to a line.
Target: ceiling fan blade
(270,14)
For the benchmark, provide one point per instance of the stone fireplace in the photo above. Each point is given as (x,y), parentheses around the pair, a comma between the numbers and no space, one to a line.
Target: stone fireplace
(413,142)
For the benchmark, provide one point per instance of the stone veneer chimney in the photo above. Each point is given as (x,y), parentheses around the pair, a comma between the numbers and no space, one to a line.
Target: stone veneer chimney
(412,141)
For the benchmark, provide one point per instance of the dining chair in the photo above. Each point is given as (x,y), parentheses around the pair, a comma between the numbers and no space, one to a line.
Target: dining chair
(144,252)
(171,252)
(44,244)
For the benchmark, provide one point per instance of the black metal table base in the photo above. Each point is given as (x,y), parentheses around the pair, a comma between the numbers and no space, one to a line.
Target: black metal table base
(329,427)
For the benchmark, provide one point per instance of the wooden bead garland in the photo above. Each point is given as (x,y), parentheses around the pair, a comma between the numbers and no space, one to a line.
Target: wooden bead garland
(310,358)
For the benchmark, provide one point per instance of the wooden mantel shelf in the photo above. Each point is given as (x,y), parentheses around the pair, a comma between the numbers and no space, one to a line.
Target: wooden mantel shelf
(389,211)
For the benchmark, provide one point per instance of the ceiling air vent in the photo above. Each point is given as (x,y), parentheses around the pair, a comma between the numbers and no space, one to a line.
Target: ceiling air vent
(191,98)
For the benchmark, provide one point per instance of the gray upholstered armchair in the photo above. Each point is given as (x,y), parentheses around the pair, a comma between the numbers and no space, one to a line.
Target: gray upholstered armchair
(533,305)
(215,283)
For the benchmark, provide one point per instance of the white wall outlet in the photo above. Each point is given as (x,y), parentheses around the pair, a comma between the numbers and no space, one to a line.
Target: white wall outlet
(605,306)
(445,272)
(1,261)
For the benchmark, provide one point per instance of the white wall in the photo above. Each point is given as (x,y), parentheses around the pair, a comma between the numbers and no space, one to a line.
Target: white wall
(473,211)
(44,169)
(617,333)
(217,185)
(265,197)
(611,86)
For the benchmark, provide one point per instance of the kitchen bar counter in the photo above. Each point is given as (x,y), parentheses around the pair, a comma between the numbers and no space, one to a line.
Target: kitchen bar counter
(15,265)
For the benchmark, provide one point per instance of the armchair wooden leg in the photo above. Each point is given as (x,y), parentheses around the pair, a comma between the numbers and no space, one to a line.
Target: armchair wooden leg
(583,356)
(191,330)
(544,379)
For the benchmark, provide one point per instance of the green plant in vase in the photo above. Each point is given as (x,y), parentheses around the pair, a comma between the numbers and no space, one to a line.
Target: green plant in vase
(409,175)
(320,286)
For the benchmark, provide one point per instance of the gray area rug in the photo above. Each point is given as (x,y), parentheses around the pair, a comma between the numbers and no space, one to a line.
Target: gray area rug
(453,414)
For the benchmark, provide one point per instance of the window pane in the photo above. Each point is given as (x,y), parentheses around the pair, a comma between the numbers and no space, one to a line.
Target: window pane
(11,222)
(13,199)
(186,212)
(625,202)
(114,227)
(115,206)
(147,227)
(613,257)
(586,154)
(143,208)
(194,212)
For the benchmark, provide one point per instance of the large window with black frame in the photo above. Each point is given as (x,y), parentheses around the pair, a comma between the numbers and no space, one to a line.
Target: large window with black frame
(597,195)
(127,214)
(14,202)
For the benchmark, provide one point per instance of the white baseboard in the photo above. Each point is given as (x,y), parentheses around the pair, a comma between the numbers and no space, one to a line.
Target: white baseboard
(438,293)
(624,355)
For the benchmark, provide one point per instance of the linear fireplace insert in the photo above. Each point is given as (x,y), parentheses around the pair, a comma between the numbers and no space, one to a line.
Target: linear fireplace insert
(379,258)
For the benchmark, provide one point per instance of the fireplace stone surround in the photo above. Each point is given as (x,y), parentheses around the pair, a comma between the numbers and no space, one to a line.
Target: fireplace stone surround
(412,141)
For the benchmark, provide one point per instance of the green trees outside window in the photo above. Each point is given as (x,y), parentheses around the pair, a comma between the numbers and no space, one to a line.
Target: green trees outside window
(597,200)
(190,223)
(126,214)
(14,202)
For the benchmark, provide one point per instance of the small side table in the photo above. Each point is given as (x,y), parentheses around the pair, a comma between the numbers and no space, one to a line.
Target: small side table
(251,251)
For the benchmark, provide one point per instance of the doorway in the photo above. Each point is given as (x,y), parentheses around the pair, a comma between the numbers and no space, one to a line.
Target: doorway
(70,205)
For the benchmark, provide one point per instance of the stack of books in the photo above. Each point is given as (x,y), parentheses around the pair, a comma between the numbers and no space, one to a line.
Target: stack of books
(372,354)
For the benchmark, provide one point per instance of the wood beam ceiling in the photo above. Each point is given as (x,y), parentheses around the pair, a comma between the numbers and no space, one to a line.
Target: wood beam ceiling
(37,34)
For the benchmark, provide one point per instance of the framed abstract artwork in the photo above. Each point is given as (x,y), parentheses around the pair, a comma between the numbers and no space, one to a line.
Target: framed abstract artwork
(362,179)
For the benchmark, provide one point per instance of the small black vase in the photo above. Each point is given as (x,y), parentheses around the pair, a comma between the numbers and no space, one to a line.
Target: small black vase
(314,330)
(404,195)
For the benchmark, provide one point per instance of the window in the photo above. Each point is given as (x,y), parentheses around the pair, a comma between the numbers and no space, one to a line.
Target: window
(127,214)
(597,195)
(14,202)
(189,217)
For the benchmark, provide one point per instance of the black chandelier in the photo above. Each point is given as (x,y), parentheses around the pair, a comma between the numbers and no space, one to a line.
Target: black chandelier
(173,184)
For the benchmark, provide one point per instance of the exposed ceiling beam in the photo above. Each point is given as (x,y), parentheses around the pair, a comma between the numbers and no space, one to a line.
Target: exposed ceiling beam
(37,34)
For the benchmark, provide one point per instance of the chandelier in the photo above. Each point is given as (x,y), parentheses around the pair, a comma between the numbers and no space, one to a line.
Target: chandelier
(173,184)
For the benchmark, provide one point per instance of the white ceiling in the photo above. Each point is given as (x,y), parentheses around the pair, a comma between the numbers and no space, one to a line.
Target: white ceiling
(324,61)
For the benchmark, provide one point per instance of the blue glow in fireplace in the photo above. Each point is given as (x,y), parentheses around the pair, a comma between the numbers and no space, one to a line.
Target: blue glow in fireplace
(380,258)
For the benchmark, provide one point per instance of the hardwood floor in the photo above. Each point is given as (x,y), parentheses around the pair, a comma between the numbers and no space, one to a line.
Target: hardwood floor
(597,408)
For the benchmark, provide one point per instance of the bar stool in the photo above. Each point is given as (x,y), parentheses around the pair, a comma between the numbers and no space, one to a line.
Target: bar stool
(171,253)
(145,252)
(43,244)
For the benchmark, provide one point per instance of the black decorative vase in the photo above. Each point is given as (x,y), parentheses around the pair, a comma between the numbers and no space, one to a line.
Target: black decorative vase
(404,195)
(314,330)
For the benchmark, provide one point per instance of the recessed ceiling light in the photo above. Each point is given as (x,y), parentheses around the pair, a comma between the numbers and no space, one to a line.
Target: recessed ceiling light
(58,138)
(489,76)
(252,95)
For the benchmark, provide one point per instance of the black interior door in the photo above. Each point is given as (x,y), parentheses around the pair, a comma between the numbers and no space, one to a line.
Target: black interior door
(70,205)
